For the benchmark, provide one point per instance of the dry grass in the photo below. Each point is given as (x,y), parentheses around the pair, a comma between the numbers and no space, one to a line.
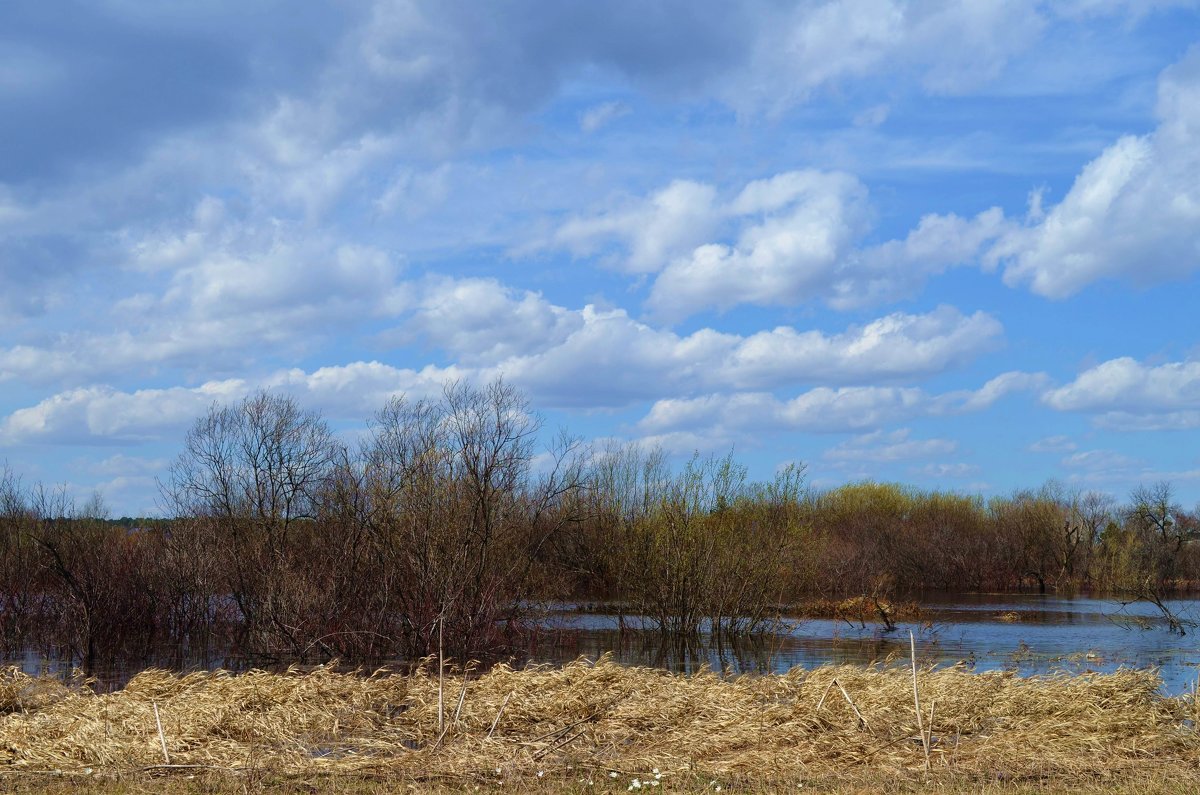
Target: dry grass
(584,722)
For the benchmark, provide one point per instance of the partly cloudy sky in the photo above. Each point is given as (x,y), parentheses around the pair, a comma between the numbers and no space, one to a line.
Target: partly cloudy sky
(955,245)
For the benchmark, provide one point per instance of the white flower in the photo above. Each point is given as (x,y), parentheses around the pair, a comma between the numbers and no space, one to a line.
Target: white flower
(541,773)
(612,774)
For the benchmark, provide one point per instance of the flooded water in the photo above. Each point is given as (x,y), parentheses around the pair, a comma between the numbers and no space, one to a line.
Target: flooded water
(1028,634)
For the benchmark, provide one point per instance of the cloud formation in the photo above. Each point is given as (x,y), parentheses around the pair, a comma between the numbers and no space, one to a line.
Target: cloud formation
(793,238)
(1125,394)
(1133,212)
(737,222)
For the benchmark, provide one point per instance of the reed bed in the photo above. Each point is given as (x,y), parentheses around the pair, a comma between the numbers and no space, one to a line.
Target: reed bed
(602,725)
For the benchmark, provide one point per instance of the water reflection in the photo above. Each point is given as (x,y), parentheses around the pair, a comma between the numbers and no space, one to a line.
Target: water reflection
(1027,634)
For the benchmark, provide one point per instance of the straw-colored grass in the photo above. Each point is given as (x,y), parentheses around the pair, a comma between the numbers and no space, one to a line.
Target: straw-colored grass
(565,727)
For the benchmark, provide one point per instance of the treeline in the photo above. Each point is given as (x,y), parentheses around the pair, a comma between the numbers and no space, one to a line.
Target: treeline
(446,526)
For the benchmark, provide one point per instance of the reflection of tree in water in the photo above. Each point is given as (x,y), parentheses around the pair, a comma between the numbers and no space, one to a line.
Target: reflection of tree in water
(688,653)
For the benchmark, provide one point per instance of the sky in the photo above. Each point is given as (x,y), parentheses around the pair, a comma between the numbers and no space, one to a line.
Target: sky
(952,245)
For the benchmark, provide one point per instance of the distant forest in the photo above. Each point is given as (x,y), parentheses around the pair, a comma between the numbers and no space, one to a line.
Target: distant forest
(449,524)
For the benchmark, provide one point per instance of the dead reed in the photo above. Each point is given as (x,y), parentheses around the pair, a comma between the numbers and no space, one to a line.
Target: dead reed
(588,721)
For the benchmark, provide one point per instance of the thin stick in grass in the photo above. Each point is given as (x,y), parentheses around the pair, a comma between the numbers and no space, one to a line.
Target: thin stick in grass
(912,645)
(162,738)
(462,696)
(929,725)
(441,676)
(850,701)
(499,712)
(828,687)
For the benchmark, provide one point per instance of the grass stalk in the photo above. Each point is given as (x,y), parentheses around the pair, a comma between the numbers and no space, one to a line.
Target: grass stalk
(162,738)
(912,645)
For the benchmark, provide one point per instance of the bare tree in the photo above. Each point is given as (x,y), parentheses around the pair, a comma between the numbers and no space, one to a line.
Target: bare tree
(456,512)
(251,471)
(1154,518)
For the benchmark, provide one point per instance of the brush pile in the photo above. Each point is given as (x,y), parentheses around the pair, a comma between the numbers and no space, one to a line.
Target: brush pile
(589,720)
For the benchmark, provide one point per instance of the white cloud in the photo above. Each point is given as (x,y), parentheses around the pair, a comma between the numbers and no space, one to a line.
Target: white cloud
(1133,212)
(798,228)
(123,465)
(600,115)
(889,446)
(820,410)
(482,321)
(958,469)
(1126,394)
(996,388)
(103,415)
(793,238)
(823,409)
(607,358)
(949,47)
(898,345)
(1106,461)
(655,230)
(1053,444)
(220,290)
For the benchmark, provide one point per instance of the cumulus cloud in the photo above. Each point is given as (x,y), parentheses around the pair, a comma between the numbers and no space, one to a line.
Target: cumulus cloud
(653,231)
(821,410)
(801,227)
(104,415)
(606,358)
(222,290)
(1132,213)
(484,321)
(1126,394)
(792,238)
(888,446)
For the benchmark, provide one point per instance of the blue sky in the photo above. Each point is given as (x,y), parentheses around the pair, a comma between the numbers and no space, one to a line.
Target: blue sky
(950,244)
